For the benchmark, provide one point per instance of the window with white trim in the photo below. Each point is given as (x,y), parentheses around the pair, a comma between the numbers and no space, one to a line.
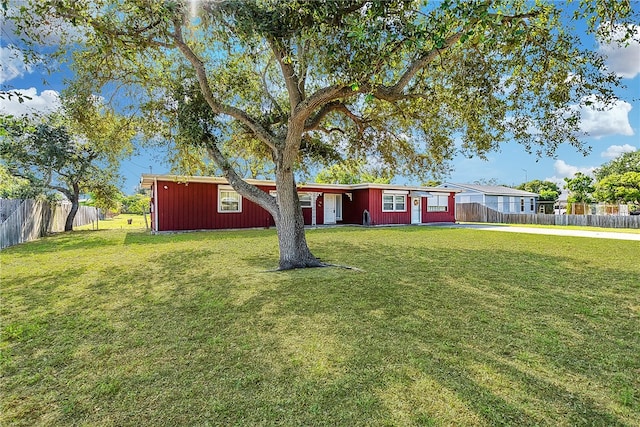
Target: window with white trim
(229,200)
(438,203)
(305,200)
(394,202)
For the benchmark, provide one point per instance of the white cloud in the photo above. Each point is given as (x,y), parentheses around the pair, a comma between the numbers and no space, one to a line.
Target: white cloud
(46,102)
(614,151)
(564,170)
(599,121)
(12,64)
(622,58)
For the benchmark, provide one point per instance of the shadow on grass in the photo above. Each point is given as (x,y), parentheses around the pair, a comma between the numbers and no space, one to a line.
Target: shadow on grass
(439,335)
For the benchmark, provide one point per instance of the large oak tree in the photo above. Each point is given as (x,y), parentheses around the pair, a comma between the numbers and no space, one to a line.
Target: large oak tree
(408,82)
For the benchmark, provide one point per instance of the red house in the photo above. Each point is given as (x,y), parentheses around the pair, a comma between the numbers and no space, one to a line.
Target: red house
(203,203)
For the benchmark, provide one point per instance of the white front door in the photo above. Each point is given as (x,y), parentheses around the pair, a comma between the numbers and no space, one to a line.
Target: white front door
(416,210)
(329,209)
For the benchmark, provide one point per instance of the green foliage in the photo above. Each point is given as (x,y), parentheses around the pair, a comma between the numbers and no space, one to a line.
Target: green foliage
(619,188)
(396,79)
(353,172)
(135,204)
(71,152)
(12,187)
(580,188)
(548,191)
(627,162)
(618,181)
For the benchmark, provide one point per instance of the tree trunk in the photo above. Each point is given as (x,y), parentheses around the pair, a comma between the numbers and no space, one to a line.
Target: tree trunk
(75,203)
(294,251)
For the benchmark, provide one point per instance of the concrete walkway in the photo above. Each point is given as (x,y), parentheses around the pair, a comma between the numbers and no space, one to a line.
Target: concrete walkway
(551,231)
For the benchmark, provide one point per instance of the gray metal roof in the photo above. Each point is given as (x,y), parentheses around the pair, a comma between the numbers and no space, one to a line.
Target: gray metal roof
(491,190)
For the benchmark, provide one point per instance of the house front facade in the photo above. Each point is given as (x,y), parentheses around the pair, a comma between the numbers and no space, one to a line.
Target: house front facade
(497,197)
(205,203)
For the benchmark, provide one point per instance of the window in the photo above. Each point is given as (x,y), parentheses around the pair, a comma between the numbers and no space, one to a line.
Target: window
(305,200)
(229,200)
(521,204)
(439,203)
(532,208)
(394,202)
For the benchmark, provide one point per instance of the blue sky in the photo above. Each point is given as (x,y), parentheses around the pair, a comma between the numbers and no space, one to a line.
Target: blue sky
(611,132)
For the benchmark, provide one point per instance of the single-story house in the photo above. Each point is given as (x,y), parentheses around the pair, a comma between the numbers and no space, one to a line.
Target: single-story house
(497,197)
(203,203)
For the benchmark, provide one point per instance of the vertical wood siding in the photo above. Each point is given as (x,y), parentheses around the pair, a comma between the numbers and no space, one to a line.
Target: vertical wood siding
(448,216)
(352,210)
(378,217)
(194,206)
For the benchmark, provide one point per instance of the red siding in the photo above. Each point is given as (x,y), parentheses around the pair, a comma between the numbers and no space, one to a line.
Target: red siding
(448,216)
(194,206)
(352,210)
(378,217)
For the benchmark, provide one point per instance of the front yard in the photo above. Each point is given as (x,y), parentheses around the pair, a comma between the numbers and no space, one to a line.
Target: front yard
(435,327)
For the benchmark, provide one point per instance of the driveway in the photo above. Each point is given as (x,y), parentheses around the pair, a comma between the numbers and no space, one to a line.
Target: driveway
(551,231)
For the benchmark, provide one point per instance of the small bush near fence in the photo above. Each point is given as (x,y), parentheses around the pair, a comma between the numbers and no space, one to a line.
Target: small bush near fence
(475,212)
(25,220)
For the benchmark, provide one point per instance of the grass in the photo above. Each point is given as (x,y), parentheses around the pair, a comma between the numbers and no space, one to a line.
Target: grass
(119,222)
(440,327)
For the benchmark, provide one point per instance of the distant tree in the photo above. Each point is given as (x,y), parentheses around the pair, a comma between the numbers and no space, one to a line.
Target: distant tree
(580,188)
(619,188)
(432,183)
(547,190)
(398,79)
(68,154)
(353,172)
(627,162)
(135,204)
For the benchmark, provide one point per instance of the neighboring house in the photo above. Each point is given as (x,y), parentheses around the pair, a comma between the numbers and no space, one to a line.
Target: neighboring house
(497,197)
(202,203)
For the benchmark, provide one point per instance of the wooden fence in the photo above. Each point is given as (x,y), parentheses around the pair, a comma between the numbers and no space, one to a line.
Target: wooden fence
(475,212)
(25,220)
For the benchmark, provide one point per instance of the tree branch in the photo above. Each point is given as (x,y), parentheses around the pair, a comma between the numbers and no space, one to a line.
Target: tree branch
(288,72)
(314,123)
(258,130)
(247,190)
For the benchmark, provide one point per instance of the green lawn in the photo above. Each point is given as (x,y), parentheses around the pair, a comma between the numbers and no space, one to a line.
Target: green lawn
(436,327)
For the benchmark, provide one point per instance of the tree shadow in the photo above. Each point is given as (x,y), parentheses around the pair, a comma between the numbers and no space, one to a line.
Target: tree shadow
(184,338)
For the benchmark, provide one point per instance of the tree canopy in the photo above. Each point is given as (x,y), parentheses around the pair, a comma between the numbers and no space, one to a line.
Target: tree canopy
(627,162)
(408,83)
(618,181)
(580,188)
(351,172)
(619,188)
(548,191)
(67,153)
